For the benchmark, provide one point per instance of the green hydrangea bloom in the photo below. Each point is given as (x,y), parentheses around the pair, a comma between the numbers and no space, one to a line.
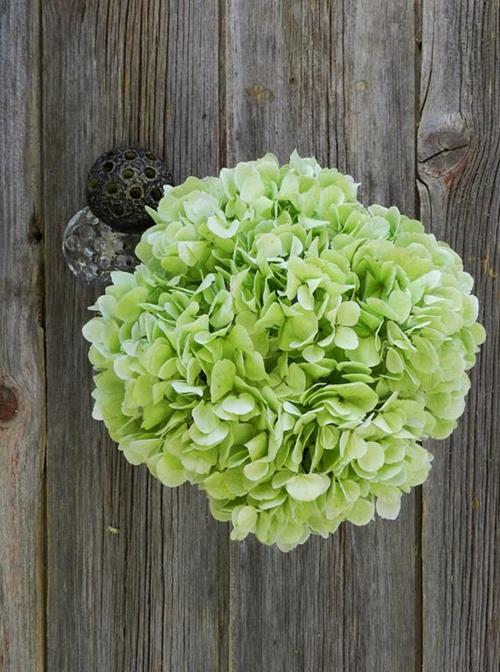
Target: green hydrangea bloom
(284,348)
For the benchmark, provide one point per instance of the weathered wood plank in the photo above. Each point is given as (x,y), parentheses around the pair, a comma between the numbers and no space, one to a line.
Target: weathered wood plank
(280,603)
(336,80)
(22,386)
(152,596)
(458,151)
(382,594)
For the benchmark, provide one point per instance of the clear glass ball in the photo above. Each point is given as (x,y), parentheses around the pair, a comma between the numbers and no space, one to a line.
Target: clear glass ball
(92,249)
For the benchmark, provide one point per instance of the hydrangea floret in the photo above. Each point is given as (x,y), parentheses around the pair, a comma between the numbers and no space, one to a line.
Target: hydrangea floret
(285,349)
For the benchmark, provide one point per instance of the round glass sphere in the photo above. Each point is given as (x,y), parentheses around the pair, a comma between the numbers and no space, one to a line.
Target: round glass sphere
(92,249)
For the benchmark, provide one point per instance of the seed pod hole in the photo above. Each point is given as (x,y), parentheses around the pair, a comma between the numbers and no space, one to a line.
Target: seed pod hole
(135,192)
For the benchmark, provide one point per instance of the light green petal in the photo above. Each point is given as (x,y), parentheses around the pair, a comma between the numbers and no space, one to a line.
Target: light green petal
(128,308)
(239,405)
(346,338)
(348,313)
(183,388)
(211,439)
(394,361)
(255,471)
(205,418)
(222,379)
(170,471)
(244,521)
(221,227)
(388,508)
(361,513)
(373,458)
(307,487)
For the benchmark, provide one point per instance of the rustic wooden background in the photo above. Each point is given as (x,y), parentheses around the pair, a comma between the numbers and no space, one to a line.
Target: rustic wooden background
(403,94)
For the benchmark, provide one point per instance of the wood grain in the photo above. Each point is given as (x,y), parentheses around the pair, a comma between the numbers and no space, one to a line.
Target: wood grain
(138,573)
(103,569)
(318,77)
(376,135)
(22,388)
(459,152)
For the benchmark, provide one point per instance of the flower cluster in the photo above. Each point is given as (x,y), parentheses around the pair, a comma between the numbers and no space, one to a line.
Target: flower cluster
(284,348)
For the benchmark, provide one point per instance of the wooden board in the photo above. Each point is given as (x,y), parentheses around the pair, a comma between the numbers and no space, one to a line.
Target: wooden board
(459,180)
(22,386)
(101,568)
(350,602)
(122,72)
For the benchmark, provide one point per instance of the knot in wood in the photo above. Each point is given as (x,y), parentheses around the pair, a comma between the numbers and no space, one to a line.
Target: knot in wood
(443,146)
(8,404)
(259,94)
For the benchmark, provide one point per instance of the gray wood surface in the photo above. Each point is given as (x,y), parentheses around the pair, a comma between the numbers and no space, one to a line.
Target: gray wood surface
(305,88)
(22,386)
(152,596)
(459,184)
(101,568)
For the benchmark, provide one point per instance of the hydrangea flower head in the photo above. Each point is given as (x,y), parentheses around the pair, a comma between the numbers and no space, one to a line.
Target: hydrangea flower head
(285,349)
